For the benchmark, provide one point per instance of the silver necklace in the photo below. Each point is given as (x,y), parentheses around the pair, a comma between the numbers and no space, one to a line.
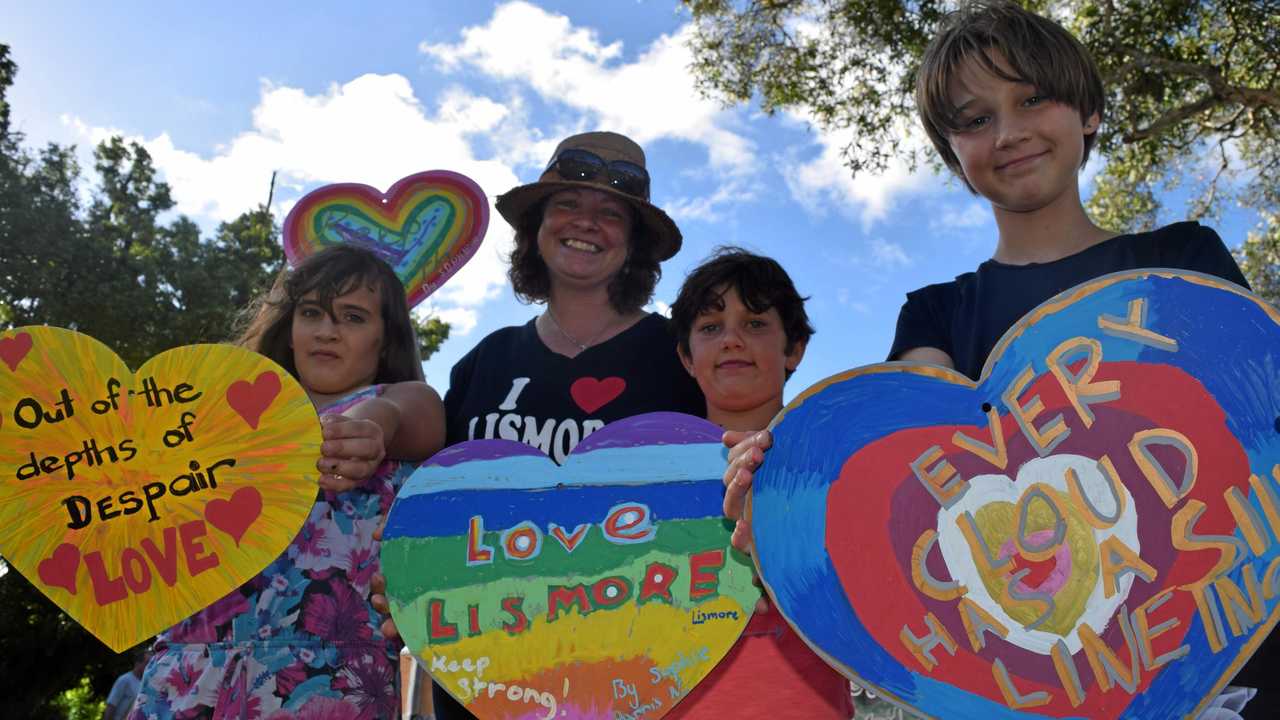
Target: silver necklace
(581,346)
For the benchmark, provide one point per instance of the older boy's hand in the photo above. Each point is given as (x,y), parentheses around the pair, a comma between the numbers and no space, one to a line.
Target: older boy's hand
(351,452)
(746,452)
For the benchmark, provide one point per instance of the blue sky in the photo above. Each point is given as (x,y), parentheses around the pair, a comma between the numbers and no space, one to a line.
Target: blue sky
(336,92)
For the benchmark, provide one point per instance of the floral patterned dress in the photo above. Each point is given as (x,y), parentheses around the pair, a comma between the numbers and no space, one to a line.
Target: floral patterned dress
(298,642)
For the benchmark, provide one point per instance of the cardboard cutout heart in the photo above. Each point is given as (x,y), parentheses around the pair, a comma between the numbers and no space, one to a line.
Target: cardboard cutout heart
(1093,530)
(135,499)
(426,227)
(602,589)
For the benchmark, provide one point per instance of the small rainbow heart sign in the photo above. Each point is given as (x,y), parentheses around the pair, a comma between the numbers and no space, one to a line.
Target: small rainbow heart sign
(605,588)
(1091,530)
(426,227)
(132,499)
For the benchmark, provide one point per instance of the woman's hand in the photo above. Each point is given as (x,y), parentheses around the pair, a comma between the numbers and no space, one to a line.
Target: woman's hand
(351,452)
(746,452)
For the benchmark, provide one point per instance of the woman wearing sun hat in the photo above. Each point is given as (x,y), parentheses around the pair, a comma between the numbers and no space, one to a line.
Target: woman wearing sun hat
(588,246)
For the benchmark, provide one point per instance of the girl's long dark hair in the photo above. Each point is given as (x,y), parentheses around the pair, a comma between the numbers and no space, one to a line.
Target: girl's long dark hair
(267,324)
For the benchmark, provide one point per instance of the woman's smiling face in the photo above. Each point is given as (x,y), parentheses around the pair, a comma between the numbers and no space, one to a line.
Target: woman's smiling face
(584,236)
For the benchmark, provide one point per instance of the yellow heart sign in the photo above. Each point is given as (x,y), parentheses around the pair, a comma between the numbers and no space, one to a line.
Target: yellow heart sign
(135,499)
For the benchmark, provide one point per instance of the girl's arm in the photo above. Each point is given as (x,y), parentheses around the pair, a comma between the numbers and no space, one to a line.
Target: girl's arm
(405,422)
(411,417)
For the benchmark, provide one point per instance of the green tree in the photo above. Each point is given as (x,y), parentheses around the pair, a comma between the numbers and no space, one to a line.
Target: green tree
(1193,89)
(1259,258)
(431,335)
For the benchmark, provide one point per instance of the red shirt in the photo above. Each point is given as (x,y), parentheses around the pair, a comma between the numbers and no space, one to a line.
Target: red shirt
(769,673)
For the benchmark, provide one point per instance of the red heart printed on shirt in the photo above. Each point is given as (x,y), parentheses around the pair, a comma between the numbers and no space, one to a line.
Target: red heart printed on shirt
(134,499)
(1090,530)
(591,394)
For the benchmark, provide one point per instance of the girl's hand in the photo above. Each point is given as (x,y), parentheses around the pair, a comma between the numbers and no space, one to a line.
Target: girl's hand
(378,595)
(352,450)
(746,452)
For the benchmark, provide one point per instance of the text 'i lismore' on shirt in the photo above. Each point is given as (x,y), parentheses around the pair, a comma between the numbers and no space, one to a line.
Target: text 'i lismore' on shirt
(510,386)
(556,438)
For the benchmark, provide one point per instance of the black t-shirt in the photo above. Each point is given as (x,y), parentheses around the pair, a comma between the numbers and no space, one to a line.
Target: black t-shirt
(511,386)
(966,317)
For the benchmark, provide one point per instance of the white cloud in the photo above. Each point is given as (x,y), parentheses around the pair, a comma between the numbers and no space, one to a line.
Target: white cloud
(371,130)
(648,99)
(659,307)
(972,215)
(826,181)
(462,320)
(709,208)
(889,254)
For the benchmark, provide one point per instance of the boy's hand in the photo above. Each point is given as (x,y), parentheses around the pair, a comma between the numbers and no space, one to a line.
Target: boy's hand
(378,595)
(351,452)
(746,452)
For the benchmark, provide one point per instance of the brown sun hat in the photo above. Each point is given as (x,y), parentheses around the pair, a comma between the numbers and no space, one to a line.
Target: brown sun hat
(657,227)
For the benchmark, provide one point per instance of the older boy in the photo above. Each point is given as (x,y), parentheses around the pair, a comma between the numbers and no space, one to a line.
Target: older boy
(741,331)
(1012,103)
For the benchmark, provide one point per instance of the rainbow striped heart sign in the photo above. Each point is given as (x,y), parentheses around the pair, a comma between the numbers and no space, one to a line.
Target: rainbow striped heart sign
(1092,530)
(605,588)
(134,499)
(426,227)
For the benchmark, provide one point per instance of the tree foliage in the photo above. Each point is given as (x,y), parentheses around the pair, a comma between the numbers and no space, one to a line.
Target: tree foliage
(1193,88)
(431,335)
(1259,258)
(107,257)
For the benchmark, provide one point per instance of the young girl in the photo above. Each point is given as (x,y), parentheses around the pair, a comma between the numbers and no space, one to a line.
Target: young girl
(300,640)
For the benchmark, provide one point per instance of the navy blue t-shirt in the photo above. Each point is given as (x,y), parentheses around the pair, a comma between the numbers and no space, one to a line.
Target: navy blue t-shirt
(512,386)
(966,317)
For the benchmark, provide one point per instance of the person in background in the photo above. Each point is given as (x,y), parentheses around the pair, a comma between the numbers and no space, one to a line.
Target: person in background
(125,689)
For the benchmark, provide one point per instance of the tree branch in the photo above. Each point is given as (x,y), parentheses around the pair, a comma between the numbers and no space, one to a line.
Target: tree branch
(1170,119)
(1250,96)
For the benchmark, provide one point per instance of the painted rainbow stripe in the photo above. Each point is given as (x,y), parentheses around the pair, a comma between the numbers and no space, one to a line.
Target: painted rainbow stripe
(426,226)
(631,597)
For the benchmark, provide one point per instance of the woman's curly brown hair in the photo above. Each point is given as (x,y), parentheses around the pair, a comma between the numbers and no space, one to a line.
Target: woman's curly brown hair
(629,290)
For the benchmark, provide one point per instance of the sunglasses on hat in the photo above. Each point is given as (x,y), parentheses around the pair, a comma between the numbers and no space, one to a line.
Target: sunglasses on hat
(584,165)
